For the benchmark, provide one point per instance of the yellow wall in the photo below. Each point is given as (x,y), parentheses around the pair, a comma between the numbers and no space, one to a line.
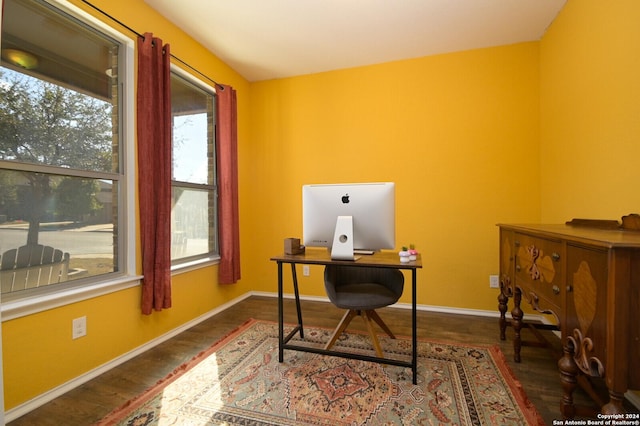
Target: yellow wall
(38,352)
(448,129)
(590,103)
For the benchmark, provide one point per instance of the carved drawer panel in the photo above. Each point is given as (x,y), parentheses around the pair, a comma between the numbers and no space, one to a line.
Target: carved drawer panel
(539,270)
(587,307)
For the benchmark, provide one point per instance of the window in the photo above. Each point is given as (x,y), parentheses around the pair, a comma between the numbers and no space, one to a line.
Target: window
(194,205)
(62,152)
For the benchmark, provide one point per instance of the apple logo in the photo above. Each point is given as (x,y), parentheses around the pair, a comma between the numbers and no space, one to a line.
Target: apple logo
(345,199)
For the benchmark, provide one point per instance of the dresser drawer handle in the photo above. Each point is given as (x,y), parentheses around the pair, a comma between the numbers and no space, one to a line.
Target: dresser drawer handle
(555,256)
(556,289)
(569,289)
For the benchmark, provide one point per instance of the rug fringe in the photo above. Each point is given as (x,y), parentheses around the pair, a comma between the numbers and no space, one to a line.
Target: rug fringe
(532,414)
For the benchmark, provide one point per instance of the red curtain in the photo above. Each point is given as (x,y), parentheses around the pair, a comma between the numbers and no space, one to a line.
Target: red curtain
(227,157)
(154,171)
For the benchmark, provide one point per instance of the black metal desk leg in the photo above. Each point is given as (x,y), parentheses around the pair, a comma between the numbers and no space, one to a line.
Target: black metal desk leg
(280,316)
(294,275)
(414,318)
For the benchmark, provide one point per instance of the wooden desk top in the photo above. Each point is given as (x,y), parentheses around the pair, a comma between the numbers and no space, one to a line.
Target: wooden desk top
(383,259)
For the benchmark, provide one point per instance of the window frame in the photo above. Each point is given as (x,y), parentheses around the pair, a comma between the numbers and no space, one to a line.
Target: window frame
(211,258)
(127,276)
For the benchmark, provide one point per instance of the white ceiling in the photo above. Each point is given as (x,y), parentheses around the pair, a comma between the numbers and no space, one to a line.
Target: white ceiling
(266,39)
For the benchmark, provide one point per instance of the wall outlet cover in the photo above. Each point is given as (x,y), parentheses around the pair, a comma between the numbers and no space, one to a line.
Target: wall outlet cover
(493,281)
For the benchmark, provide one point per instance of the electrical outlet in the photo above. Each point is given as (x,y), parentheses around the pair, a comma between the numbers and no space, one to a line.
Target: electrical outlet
(305,270)
(79,327)
(493,281)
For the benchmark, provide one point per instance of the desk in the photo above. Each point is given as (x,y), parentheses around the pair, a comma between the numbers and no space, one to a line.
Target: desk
(322,257)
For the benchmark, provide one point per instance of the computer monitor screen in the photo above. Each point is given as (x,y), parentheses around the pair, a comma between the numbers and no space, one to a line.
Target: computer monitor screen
(370,207)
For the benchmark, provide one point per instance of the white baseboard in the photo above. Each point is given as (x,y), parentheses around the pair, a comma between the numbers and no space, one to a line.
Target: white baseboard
(633,398)
(425,308)
(58,391)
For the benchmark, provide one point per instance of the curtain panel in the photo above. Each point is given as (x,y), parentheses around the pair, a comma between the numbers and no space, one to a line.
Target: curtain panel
(154,171)
(227,157)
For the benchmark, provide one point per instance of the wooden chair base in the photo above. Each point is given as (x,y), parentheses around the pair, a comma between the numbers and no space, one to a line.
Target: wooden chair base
(369,316)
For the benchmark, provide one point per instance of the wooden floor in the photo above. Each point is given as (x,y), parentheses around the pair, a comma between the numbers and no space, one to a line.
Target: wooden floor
(90,402)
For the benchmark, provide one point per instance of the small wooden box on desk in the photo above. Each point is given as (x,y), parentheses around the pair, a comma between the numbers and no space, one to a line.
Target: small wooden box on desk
(292,246)
(586,273)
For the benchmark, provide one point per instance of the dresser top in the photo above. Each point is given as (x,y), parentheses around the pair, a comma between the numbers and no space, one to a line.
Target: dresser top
(603,237)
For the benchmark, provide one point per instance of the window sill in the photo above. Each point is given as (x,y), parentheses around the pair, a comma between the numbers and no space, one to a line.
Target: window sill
(194,264)
(20,308)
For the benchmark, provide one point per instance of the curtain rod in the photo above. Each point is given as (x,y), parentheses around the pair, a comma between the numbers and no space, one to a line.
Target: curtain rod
(142,36)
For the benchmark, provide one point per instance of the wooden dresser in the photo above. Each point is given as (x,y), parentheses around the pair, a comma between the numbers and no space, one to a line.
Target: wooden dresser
(586,274)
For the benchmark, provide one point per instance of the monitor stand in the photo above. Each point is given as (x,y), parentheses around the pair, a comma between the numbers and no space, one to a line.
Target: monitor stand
(342,248)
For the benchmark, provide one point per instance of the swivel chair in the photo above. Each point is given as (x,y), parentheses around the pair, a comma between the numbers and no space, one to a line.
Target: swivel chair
(361,290)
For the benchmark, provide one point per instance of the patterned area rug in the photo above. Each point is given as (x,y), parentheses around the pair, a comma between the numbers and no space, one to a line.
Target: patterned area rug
(239,381)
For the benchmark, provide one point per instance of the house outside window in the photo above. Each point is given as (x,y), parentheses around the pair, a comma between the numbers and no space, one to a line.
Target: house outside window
(65,192)
(194,195)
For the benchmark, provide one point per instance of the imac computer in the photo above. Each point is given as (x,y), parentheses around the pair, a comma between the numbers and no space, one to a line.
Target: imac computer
(349,218)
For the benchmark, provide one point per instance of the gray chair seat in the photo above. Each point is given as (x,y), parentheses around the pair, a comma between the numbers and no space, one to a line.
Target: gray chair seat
(364,296)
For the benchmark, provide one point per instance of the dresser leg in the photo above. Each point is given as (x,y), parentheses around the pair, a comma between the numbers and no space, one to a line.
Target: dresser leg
(614,406)
(568,380)
(502,307)
(517,316)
